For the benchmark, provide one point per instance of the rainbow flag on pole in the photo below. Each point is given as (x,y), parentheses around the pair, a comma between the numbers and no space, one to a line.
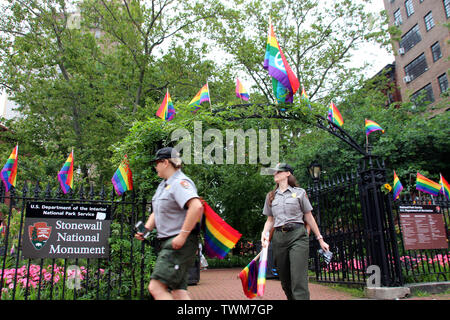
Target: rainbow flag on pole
(241,93)
(426,185)
(284,82)
(334,115)
(123,178)
(445,187)
(220,237)
(65,175)
(372,126)
(253,276)
(305,98)
(200,97)
(249,279)
(9,171)
(397,187)
(166,111)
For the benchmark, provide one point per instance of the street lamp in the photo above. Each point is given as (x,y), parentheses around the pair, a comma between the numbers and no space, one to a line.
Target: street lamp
(314,170)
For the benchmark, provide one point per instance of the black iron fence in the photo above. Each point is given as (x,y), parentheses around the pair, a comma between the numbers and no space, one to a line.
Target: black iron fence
(337,210)
(124,275)
(342,207)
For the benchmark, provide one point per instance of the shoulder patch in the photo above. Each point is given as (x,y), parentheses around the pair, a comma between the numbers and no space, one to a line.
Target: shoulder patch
(185,184)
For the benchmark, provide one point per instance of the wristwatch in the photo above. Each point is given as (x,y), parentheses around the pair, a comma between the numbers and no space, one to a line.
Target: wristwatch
(319,237)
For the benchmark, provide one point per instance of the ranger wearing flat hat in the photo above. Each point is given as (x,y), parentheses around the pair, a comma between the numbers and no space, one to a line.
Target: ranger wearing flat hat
(288,211)
(176,211)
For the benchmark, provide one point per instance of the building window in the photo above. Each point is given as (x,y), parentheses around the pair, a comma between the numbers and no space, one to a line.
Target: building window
(398,17)
(423,96)
(409,8)
(447,8)
(410,38)
(443,82)
(416,67)
(436,51)
(429,22)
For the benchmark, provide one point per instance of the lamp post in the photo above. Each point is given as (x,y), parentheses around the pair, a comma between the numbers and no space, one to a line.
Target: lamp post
(314,170)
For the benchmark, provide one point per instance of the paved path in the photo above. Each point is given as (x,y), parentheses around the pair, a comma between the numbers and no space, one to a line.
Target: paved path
(224,284)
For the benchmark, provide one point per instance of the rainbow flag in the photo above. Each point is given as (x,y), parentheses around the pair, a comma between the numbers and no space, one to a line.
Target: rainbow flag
(241,93)
(262,271)
(284,81)
(372,126)
(9,171)
(426,185)
(123,178)
(305,98)
(334,115)
(166,111)
(65,175)
(220,237)
(397,187)
(249,279)
(445,187)
(200,97)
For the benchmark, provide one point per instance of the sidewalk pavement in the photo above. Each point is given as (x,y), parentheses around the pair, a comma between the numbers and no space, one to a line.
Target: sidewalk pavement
(225,284)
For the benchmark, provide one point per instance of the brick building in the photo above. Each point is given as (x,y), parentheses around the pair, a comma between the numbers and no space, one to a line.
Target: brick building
(421,60)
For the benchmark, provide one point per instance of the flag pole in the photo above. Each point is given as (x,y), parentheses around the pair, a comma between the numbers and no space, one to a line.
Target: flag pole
(207,86)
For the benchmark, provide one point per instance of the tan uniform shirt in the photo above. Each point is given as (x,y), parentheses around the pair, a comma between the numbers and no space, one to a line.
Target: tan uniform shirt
(287,207)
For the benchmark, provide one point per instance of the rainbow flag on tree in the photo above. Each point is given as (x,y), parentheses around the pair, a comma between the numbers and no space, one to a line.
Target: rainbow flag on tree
(166,111)
(426,185)
(123,177)
(284,82)
(200,97)
(241,93)
(305,98)
(9,171)
(65,175)
(334,115)
(220,237)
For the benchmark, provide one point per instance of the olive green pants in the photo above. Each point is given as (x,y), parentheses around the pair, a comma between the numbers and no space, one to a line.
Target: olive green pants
(291,253)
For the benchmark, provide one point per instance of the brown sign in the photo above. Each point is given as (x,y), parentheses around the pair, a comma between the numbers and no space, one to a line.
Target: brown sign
(66,230)
(423,227)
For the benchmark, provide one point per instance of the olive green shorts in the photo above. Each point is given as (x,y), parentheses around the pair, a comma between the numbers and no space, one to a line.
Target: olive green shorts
(172,266)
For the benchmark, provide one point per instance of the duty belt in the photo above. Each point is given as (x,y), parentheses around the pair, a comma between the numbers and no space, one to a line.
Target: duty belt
(288,227)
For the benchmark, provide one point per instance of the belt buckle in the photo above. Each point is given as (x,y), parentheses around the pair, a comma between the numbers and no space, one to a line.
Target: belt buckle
(286,228)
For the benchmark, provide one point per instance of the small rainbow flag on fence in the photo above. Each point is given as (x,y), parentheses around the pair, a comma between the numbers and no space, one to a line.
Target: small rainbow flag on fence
(123,178)
(445,187)
(65,175)
(166,111)
(426,185)
(372,126)
(334,115)
(200,97)
(220,237)
(241,93)
(398,187)
(9,171)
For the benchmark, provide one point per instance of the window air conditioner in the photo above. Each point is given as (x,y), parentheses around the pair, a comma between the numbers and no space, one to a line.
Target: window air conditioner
(401,50)
(407,79)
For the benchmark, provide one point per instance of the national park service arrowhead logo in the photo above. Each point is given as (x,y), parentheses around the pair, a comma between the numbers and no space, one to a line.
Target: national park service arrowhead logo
(39,233)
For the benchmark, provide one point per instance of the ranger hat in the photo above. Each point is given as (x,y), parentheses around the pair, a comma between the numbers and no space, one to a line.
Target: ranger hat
(166,153)
(281,167)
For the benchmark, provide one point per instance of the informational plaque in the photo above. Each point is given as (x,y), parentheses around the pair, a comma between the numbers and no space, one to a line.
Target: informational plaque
(66,230)
(423,227)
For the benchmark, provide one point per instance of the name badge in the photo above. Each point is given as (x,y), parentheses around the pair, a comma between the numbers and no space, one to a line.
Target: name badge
(294,195)
(167,187)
